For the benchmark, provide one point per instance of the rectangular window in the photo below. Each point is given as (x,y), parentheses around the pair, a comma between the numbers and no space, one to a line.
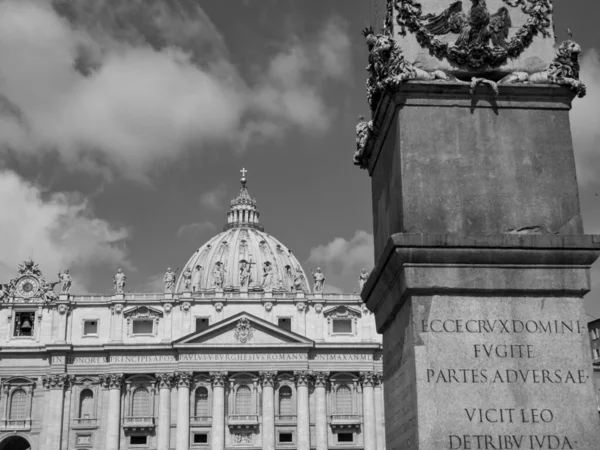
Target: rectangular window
(90,328)
(202,323)
(345,437)
(285,323)
(201,438)
(24,323)
(595,332)
(596,353)
(142,326)
(138,440)
(342,326)
(286,438)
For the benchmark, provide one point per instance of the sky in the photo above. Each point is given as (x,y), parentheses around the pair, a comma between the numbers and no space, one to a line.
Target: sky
(124,125)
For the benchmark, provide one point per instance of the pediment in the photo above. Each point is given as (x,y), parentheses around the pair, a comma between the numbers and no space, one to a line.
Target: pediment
(243,329)
(142,312)
(341,311)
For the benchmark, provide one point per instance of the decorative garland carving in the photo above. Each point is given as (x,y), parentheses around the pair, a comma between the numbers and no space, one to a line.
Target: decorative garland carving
(112,380)
(56,381)
(469,52)
(388,68)
(564,70)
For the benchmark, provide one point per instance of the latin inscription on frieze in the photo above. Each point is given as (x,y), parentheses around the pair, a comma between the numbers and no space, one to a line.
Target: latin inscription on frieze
(342,357)
(506,380)
(242,356)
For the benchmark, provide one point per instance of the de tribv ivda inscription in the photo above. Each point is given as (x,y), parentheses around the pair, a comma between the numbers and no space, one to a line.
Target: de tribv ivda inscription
(495,373)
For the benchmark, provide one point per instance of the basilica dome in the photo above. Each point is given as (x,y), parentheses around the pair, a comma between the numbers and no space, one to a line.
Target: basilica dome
(243,256)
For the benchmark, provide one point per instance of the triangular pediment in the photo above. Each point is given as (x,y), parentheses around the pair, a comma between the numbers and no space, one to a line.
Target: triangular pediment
(246,330)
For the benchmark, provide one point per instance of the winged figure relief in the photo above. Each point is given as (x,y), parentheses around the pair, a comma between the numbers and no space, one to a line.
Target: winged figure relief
(476,28)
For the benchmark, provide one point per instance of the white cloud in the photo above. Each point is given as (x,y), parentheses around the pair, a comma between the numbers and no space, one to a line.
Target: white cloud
(153,284)
(58,230)
(196,229)
(123,96)
(584,121)
(341,260)
(214,199)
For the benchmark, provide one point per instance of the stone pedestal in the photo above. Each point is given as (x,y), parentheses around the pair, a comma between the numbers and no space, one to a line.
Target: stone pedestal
(482,266)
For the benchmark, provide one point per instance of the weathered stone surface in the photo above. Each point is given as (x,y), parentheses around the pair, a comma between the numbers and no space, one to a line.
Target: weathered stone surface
(492,354)
(448,162)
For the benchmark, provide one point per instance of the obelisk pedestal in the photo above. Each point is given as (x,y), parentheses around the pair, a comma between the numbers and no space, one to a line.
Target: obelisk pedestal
(481,270)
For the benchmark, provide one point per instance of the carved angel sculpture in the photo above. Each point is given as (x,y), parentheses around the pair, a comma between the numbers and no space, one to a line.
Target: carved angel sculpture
(475,28)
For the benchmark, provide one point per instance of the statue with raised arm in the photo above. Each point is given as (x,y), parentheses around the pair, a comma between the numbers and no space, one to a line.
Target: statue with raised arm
(65,281)
(119,282)
(169,280)
(196,277)
(362,279)
(186,276)
(319,281)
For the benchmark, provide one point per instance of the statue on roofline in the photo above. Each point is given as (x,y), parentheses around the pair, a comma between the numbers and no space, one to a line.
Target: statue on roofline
(65,281)
(119,282)
(319,281)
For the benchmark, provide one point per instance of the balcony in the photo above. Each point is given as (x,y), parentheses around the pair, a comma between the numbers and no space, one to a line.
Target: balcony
(200,420)
(138,423)
(85,422)
(286,419)
(242,421)
(16,425)
(345,420)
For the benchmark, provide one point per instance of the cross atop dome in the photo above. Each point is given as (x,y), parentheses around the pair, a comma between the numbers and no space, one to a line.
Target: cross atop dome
(243,212)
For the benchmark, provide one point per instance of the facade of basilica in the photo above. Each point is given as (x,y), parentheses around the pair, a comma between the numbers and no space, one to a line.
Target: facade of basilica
(238,352)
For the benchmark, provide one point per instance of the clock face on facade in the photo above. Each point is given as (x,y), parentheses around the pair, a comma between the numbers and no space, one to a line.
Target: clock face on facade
(27,287)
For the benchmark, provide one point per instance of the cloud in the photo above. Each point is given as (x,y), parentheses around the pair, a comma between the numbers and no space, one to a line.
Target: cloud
(584,121)
(214,199)
(153,284)
(195,229)
(126,87)
(59,230)
(341,260)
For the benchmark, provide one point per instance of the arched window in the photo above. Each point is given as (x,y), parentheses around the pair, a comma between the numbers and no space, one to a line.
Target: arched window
(285,401)
(343,400)
(86,404)
(141,402)
(243,400)
(18,405)
(201,402)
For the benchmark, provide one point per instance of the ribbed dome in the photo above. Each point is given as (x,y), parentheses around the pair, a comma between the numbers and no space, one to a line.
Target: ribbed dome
(244,256)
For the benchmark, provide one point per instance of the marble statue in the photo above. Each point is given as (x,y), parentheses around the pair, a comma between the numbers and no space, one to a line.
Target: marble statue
(119,282)
(298,285)
(48,293)
(362,279)
(186,276)
(4,292)
(218,275)
(267,281)
(319,281)
(196,277)
(245,273)
(65,281)
(169,280)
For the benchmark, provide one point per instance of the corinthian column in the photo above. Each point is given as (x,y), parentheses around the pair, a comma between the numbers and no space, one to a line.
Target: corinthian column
(113,382)
(321,409)
(183,410)
(368,382)
(268,413)
(218,410)
(165,382)
(53,422)
(379,412)
(302,380)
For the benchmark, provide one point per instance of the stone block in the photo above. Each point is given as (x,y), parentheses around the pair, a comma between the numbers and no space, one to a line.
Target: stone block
(448,162)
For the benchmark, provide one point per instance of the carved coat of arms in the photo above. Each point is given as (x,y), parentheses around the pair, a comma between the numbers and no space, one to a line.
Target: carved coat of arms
(482,37)
(243,330)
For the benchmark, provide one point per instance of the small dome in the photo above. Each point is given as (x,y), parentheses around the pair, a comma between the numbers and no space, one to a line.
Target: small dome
(244,256)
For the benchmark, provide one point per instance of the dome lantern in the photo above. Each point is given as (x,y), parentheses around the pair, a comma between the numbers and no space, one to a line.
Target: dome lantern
(242,211)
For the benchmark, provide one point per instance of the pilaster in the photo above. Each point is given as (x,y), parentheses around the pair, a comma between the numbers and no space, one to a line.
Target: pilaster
(183,380)
(303,410)
(321,380)
(268,423)
(368,381)
(165,383)
(114,383)
(218,380)
(55,384)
